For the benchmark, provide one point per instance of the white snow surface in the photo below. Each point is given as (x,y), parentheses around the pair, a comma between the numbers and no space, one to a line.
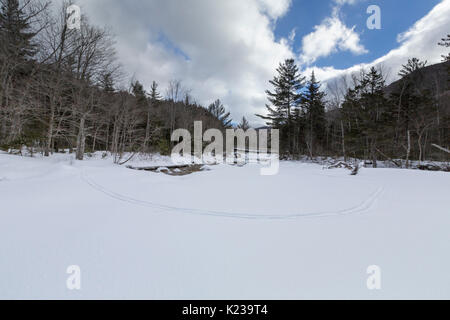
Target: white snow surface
(224,233)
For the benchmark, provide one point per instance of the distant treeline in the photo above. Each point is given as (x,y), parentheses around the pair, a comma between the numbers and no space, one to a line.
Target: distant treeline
(60,89)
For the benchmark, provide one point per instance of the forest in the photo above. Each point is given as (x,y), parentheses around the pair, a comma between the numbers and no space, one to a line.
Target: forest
(361,117)
(63,89)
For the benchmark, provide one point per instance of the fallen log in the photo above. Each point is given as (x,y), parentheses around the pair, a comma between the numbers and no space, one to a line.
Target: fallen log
(433,167)
(388,158)
(354,168)
(341,164)
(155,168)
(441,148)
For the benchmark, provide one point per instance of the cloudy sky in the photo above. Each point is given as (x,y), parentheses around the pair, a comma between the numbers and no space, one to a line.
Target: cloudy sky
(229,49)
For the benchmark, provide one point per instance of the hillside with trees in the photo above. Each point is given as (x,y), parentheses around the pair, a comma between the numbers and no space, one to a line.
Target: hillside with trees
(363,117)
(62,88)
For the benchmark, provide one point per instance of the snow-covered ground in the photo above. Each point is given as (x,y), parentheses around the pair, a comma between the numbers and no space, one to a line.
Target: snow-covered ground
(226,233)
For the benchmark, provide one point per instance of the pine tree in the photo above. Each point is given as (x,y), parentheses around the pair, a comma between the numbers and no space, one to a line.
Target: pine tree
(352,120)
(138,91)
(153,122)
(445,43)
(405,98)
(367,116)
(412,66)
(218,111)
(314,105)
(107,82)
(375,112)
(244,125)
(285,99)
(154,95)
(147,103)
(415,106)
(15,32)
(142,109)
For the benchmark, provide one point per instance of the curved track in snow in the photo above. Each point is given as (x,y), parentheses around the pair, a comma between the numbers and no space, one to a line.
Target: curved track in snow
(362,208)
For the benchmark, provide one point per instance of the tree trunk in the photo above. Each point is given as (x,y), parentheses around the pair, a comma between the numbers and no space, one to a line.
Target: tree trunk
(107,139)
(50,131)
(419,142)
(408,151)
(81,140)
(343,141)
(374,155)
(94,140)
(147,131)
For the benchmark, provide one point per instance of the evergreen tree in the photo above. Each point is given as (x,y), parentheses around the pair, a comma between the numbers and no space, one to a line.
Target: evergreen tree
(411,78)
(154,95)
(314,105)
(352,120)
(446,43)
(244,125)
(412,66)
(405,97)
(107,82)
(285,100)
(15,32)
(138,91)
(142,109)
(375,112)
(153,121)
(415,104)
(367,115)
(218,111)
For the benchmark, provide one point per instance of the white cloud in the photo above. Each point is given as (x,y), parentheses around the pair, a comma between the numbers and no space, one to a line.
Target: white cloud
(231,48)
(342,2)
(230,45)
(275,8)
(331,36)
(419,41)
(292,35)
